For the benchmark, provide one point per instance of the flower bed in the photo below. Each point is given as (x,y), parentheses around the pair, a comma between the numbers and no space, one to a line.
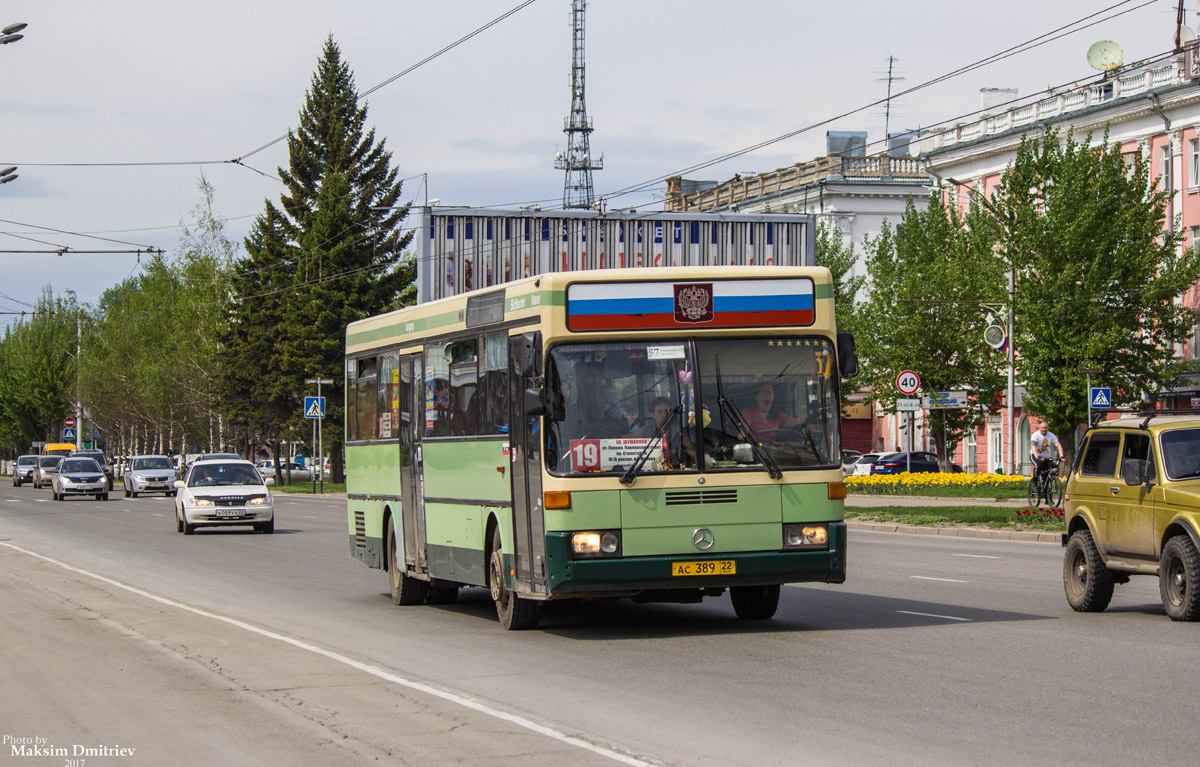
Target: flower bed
(904,482)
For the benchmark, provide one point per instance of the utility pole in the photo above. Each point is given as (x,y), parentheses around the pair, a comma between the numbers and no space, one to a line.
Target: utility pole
(577,160)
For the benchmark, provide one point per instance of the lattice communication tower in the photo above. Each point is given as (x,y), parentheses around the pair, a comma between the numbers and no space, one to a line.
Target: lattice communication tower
(577,160)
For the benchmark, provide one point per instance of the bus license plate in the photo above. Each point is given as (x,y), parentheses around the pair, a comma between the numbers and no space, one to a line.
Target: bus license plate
(705,567)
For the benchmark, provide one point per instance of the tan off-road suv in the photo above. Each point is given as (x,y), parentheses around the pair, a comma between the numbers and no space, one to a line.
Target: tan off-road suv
(1133,508)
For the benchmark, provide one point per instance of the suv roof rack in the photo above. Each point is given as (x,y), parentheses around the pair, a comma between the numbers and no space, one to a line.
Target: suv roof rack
(1150,414)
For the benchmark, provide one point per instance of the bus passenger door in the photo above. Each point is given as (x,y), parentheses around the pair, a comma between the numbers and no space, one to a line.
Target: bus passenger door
(412,428)
(525,449)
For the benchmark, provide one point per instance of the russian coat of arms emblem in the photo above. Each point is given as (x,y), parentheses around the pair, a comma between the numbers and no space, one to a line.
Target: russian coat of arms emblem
(694,302)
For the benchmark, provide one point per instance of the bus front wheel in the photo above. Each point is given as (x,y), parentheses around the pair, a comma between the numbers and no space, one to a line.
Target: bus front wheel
(755,602)
(405,590)
(515,613)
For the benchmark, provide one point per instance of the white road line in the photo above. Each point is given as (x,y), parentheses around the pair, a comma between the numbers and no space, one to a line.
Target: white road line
(159,515)
(975,556)
(932,615)
(306,516)
(943,580)
(428,689)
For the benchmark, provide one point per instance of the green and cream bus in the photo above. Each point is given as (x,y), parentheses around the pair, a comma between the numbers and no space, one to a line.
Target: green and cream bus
(662,435)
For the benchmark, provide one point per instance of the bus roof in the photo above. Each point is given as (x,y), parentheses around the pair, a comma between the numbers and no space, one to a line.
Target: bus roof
(58,448)
(545,296)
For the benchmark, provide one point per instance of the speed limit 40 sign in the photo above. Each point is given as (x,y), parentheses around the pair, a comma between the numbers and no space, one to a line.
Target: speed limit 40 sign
(908,382)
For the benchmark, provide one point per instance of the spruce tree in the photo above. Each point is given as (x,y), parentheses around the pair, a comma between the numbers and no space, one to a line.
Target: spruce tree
(340,221)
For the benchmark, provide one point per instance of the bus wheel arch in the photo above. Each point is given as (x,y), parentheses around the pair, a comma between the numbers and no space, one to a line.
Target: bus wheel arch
(405,589)
(515,612)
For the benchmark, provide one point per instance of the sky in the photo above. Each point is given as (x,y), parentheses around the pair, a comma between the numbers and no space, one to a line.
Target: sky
(113,112)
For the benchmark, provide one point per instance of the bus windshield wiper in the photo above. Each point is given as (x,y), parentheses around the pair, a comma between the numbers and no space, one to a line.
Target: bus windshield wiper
(730,407)
(636,466)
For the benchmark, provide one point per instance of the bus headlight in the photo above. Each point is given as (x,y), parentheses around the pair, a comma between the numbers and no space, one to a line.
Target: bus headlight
(807,535)
(598,543)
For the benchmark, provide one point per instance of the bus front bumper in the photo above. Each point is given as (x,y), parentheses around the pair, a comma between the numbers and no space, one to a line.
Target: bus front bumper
(568,576)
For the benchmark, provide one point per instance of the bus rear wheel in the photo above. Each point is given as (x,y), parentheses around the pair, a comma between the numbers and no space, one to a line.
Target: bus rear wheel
(755,602)
(405,590)
(514,612)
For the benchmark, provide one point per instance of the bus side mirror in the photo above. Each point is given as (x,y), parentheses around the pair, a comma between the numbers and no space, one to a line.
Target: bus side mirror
(535,402)
(529,354)
(847,355)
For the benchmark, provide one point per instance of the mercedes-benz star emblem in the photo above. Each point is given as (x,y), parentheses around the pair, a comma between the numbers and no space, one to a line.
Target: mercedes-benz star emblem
(702,538)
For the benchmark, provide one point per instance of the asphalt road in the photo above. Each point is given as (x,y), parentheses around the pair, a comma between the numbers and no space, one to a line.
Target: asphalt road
(235,648)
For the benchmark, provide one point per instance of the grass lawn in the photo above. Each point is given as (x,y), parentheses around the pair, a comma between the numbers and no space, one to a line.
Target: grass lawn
(961,516)
(306,488)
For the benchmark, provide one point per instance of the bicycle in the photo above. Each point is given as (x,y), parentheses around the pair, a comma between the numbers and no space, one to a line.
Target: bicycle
(1046,485)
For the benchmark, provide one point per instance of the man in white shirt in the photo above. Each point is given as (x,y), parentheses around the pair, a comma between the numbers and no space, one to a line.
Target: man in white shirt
(1043,447)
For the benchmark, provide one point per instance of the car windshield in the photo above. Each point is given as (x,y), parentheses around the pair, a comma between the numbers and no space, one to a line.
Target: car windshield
(79,466)
(211,474)
(50,461)
(153,462)
(615,405)
(1181,453)
(218,457)
(27,460)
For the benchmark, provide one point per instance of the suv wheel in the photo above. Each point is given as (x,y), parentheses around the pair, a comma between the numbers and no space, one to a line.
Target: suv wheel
(1088,582)
(1178,579)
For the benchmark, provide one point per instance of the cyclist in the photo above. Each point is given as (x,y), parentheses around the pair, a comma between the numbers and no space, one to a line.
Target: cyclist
(1041,451)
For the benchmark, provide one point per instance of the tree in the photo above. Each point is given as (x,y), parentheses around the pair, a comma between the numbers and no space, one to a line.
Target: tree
(834,252)
(343,236)
(38,372)
(1098,271)
(925,307)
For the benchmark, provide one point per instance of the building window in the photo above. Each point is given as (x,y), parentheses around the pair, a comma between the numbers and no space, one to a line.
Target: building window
(1164,174)
(1193,162)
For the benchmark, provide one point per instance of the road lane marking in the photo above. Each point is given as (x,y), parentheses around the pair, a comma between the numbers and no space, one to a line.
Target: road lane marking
(943,580)
(975,556)
(380,673)
(932,615)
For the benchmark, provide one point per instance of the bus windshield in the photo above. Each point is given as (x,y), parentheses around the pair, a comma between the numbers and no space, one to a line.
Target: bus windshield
(762,401)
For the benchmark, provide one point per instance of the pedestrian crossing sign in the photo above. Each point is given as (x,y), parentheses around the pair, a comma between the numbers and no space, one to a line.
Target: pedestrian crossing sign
(1101,397)
(314,407)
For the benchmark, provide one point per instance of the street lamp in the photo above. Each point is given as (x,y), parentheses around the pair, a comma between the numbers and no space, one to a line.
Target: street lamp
(1010,459)
(8,174)
(9,33)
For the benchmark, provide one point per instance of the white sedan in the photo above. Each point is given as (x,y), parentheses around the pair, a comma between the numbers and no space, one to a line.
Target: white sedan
(223,493)
(149,474)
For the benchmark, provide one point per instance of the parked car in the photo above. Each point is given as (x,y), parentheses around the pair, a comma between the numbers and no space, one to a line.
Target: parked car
(79,475)
(920,463)
(1133,508)
(149,474)
(863,464)
(851,459)
(300,472)
(219,493)
(23,469)
(45,470)
(105,466)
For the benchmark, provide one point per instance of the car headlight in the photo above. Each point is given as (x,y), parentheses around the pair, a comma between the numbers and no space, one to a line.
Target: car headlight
(807,535)
(599,543)
(258,501)
(201,502)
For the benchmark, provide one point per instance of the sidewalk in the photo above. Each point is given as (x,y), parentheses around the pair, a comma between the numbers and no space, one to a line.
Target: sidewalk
(864,501)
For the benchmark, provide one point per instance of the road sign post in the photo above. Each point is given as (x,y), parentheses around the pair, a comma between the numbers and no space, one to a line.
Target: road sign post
(318,409)
(909,383)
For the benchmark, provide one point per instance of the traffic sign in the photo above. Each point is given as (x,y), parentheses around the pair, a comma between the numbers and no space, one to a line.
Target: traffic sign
(69,422)
(68,434)
(908,404)
(1101,397)
(941,400)
(314,407)
(908,382)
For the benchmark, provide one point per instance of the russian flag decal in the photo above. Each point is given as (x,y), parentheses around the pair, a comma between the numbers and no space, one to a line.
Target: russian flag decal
(716,304)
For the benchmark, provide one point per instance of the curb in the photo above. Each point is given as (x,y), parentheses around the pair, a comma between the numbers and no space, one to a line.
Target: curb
(959,532)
